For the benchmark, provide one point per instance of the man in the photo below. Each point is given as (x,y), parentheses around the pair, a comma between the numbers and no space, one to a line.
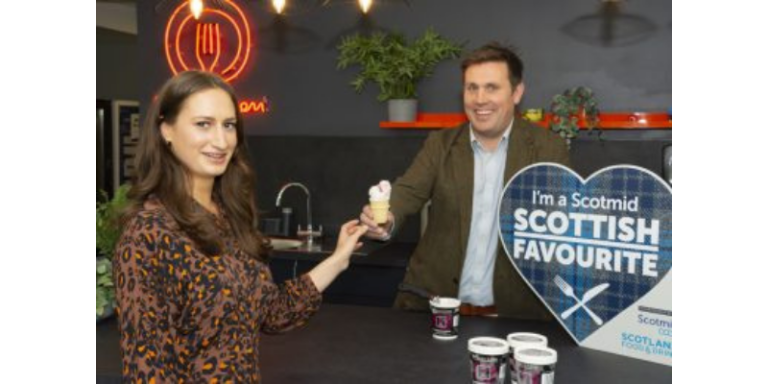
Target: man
(462,172)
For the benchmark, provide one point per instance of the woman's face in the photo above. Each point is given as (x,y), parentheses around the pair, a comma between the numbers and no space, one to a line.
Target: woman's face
(204,135)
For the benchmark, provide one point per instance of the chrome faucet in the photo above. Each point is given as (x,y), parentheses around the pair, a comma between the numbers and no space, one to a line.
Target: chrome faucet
(310,233)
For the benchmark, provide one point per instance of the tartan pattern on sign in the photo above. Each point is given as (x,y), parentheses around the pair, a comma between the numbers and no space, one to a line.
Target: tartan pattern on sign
(625,288)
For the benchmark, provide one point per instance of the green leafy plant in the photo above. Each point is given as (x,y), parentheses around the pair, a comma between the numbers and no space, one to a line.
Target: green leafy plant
(107,212)
(390,62)
(571,106)
(105,287)
(107,235)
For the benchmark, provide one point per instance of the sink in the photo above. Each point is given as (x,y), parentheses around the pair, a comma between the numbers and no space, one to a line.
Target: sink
(282,244)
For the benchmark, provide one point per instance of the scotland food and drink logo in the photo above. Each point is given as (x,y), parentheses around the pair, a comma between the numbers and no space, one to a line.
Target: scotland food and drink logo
(598,252)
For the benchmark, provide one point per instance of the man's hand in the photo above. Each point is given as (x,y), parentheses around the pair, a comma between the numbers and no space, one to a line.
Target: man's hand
(375,231)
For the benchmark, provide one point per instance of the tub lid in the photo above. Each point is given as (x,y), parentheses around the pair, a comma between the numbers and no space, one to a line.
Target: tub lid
(491,346)
(522,339)
(444,302)
(536,355)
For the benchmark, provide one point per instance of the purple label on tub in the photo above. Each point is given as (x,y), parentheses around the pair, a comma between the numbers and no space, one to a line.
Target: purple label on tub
(443,322)
(536,377)
(487,369)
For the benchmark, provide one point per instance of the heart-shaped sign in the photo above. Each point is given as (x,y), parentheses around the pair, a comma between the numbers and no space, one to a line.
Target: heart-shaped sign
(590,249)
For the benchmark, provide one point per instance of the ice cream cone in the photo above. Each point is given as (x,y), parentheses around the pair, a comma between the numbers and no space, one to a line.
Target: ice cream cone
(378,196)
(380,209)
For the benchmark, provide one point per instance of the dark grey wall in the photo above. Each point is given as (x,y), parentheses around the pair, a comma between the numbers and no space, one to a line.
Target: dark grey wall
(559,41)
(321,133)
(117,70)
(339,170)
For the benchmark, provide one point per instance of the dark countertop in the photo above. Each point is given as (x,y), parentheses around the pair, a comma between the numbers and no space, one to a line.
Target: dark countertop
(351,344)
(372,278)
(373,253)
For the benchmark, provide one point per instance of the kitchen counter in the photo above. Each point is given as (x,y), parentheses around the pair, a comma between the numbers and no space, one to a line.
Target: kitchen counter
(372,278)
(373,253)
(355,344)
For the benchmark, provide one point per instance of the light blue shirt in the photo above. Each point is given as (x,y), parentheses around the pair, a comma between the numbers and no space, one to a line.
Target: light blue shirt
(476,286)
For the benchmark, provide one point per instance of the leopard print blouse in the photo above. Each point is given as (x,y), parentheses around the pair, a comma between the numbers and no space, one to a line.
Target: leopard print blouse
(188,318)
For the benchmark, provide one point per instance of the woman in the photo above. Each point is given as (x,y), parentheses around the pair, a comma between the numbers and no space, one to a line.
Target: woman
(193,291)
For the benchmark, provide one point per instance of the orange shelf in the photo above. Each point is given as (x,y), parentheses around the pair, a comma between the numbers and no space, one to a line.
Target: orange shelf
(615,120)
(428,121)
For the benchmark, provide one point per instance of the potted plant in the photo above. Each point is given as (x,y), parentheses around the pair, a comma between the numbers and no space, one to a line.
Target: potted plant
(569,108)
(387,60)
(105,289)
(107,235)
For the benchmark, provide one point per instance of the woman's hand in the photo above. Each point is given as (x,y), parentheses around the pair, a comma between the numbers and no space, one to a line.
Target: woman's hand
(325,272)
(348,242)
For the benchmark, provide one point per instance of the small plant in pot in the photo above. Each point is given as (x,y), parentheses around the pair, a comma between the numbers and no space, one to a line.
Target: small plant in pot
(105,289)
(107,235)
(569,108)
(387,60)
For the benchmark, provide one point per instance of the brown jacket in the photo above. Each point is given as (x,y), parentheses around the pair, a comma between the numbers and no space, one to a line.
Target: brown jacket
(443,172)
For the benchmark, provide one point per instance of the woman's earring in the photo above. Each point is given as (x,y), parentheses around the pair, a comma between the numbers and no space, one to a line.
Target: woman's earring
(169,144)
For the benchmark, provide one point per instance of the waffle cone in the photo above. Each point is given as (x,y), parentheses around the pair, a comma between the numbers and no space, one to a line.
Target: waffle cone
(380,209)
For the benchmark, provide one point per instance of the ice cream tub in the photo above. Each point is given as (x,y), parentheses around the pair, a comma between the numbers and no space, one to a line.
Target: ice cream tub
(488,360)
(521,340)
(535,365)
(445,317)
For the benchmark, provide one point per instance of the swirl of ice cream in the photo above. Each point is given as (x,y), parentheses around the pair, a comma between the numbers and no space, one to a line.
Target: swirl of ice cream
(380,191)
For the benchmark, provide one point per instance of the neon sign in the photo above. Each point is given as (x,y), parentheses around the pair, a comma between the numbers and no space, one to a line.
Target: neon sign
(220,42)
(252,107)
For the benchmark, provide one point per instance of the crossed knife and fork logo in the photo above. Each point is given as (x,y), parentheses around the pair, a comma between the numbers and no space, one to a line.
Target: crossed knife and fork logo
(580,302)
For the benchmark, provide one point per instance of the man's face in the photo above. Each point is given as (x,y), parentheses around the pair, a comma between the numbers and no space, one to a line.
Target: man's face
(489,100)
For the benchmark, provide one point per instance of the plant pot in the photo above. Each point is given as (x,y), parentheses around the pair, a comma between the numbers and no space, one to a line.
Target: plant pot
(403,110)
(109,305)
(109,310)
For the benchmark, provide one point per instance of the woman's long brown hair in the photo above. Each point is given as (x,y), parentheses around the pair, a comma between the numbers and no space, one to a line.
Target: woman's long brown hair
(160,174)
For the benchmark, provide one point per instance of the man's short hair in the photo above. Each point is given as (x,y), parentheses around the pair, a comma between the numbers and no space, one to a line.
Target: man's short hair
(495,51)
